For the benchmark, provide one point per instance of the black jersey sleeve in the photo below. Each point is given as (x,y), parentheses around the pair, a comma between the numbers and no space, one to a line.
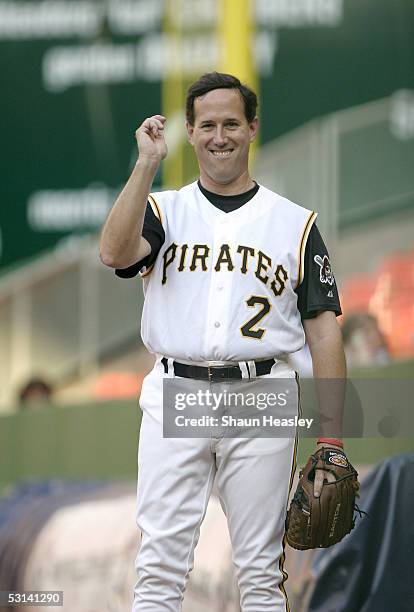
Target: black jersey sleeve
(318,291)
(153,232)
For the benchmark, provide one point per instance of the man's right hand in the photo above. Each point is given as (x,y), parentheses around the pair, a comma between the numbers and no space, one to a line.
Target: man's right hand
(121,242)
(150,138)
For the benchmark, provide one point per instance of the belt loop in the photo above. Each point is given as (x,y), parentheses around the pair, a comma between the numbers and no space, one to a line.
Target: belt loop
(171,372)
(168,364)
(244,369)
(252,367)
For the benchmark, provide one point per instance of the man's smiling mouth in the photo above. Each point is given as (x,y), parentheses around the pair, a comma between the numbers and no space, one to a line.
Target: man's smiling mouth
(222,154)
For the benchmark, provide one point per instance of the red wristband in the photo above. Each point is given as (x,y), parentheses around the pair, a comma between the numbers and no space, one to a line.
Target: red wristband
(335,441)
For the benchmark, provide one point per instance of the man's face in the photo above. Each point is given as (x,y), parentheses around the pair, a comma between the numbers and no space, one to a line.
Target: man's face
(221,136)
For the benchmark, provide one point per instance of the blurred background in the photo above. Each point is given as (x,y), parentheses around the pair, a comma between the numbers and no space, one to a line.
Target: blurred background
(335,80)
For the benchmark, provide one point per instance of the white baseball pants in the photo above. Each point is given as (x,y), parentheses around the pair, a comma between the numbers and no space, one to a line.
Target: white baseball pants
(175,478)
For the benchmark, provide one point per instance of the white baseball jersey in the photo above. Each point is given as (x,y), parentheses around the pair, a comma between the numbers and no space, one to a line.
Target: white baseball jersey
(223,285)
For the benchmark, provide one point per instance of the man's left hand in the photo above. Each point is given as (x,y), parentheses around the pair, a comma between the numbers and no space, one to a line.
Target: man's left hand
(323,475)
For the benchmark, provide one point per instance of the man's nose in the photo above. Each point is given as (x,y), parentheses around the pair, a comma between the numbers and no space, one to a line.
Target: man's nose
(220,138)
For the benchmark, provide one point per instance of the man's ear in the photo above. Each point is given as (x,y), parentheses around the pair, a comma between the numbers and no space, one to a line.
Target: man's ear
(190,131)
(254,128)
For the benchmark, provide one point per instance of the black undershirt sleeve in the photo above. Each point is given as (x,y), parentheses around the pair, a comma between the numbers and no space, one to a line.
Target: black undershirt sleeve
(318,290)
(154,233)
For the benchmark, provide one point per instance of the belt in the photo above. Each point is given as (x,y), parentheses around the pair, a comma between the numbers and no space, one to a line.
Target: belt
(215,373)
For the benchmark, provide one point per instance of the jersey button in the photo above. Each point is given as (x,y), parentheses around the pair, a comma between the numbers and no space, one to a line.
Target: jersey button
(216,324)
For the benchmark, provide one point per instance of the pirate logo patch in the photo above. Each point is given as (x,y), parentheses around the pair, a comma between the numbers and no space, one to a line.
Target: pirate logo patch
(325,272)
(338,459)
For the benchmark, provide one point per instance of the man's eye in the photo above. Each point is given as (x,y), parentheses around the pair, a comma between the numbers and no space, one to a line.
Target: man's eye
(207,126)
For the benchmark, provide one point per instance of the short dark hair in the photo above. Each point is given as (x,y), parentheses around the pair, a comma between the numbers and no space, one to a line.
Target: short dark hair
(220,80)
(39,386)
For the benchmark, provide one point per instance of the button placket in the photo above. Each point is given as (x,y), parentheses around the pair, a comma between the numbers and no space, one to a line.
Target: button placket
(219,295)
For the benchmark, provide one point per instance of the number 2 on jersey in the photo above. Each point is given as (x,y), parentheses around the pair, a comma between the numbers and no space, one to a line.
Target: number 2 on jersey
(265,306)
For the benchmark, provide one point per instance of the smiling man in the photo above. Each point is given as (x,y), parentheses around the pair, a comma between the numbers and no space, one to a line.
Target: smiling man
(221,124)
(232,287)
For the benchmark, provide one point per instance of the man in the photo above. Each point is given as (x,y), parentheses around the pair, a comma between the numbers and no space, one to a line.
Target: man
(229,273)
